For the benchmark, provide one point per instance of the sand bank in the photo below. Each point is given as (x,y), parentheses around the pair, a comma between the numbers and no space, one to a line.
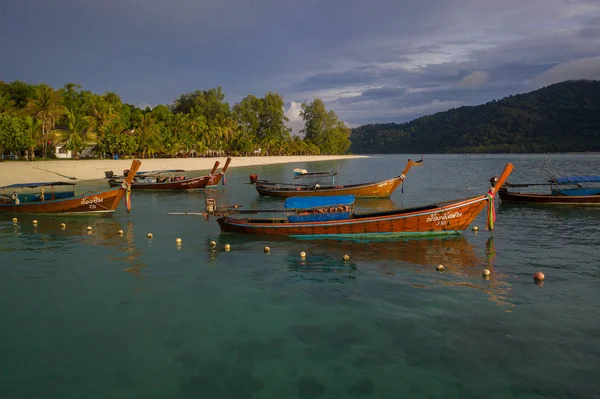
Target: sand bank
(90,169)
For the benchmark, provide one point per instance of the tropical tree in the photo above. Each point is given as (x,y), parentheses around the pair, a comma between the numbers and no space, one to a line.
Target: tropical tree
(33,127)
(115,141)
(100,116)
(46,106)
(76,132)
(147,134)
(13,134)
(70,95)
(323,128)
(6,103)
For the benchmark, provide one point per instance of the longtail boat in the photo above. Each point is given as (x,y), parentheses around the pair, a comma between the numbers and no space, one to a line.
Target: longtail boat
(174,179)
(101,202)
(378,189)
(30,192)
(563,191)
(335,217)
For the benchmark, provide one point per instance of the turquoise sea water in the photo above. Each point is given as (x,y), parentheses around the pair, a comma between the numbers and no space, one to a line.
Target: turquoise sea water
(98,315)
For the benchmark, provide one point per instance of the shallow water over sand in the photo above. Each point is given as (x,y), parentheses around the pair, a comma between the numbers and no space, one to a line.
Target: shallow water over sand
(101,315)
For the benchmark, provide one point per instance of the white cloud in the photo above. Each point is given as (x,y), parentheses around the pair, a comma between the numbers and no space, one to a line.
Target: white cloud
(295,120)
(474,80)
(583,68)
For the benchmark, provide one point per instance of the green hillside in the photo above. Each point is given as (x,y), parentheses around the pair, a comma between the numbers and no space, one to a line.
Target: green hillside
(563,117)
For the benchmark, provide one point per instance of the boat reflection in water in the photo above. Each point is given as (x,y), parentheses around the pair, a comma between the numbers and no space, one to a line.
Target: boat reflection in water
(463,262)
(48,230)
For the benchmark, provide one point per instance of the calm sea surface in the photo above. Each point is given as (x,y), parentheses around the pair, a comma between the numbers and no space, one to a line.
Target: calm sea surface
(106,316)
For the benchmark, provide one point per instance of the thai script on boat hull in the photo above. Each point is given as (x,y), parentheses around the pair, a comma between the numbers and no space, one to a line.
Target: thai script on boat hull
(444,217)
(190,182)
(93,200)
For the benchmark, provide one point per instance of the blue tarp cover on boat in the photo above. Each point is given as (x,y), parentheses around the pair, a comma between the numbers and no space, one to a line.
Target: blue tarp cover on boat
(315,202)
(577,191)
(319,217)
(577,179)
(44,184)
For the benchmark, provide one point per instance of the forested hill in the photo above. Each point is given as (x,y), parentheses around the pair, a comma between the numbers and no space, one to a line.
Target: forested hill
(563,117)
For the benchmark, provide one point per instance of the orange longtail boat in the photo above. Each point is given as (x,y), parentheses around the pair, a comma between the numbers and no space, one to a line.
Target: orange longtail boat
(378,189)
(101,202)
(171,179)
(335,217)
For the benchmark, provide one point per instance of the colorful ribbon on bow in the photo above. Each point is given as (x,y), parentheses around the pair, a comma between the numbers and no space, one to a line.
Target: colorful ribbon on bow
(127,187)
(491,217)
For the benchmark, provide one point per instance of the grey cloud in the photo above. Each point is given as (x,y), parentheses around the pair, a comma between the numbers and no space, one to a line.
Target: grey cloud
(153,51)
(583,68)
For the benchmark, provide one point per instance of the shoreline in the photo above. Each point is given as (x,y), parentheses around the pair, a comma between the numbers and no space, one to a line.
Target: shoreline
(14,172)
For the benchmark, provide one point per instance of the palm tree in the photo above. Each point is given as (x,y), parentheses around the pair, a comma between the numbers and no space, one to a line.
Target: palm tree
(46,107)
(76,131)
(100,116)
(147,133)
(34,131)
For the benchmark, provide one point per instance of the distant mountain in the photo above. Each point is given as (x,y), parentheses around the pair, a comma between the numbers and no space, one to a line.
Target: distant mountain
(563,117)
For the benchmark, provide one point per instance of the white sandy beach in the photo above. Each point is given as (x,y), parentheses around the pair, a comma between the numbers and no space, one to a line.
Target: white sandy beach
(90,169)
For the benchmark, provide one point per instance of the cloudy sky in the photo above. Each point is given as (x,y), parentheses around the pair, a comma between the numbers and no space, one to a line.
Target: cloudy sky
(370,60)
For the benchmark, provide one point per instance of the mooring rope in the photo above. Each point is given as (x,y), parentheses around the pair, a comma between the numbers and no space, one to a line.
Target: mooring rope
(491,214)
(127,186)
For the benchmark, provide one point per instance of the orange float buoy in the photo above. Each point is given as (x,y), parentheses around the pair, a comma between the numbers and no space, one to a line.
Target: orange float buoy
(538,276)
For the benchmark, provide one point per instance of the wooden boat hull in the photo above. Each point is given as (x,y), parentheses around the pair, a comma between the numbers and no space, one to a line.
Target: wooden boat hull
(547,199)
(187,184)
(210,180)
(447,218)
(380,189)
(98,202)
(101,202)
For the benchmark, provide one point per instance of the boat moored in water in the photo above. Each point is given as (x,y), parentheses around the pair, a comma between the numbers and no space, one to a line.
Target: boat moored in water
(38,191)
(563,191)
(316,187)
(334,216)
(100,202)
(174,179)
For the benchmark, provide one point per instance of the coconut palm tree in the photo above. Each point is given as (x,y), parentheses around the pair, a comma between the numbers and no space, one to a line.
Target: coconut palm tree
(76,132)
(100,116)
(34,131)
(148,134)
(45,105)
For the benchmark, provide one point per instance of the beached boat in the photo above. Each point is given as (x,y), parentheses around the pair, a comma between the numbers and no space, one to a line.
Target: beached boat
(174,179)
(563,191)
(101,202)
(334,216)
(299,188)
